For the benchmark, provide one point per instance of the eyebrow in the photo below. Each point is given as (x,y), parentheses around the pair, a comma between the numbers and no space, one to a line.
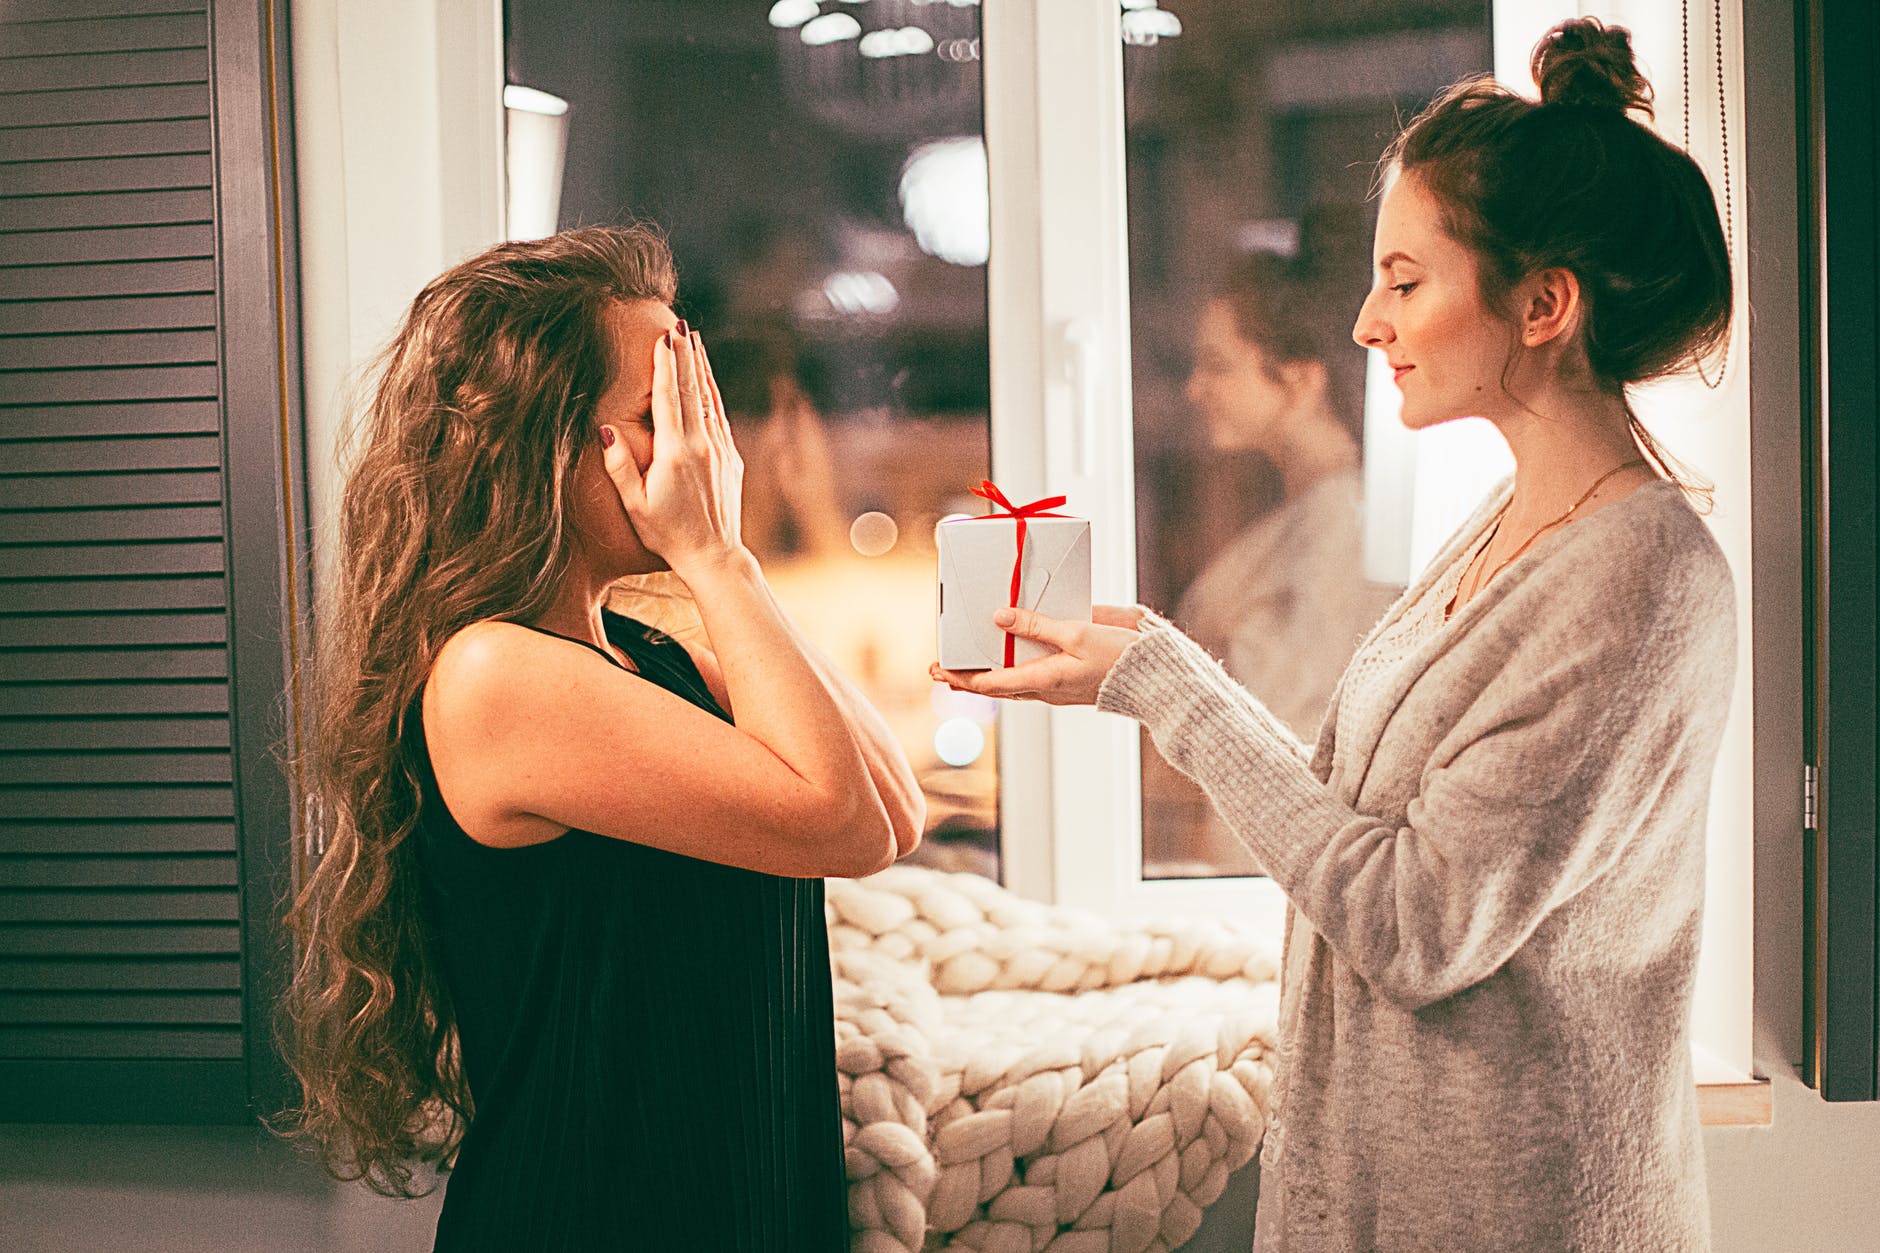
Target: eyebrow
(1384,263)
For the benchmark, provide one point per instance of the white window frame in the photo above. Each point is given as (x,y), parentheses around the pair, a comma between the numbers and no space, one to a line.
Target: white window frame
(1070,779)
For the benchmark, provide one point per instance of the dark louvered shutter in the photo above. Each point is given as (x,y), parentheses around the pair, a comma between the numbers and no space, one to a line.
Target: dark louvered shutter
(148,488)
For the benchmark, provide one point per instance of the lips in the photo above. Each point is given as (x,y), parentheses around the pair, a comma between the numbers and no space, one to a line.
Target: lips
(1398,371)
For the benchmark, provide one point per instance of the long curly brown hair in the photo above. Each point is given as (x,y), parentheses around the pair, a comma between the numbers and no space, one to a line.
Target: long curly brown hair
(457,508)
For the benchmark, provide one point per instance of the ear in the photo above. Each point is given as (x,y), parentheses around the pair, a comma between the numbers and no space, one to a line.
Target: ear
(1303,378)
(1548,306)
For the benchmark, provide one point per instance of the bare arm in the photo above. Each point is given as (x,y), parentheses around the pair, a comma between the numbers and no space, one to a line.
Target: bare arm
(530,732)
(888,767)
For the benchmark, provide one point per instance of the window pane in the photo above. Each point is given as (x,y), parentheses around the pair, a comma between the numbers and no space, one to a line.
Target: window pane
(1262,473)
(820,170)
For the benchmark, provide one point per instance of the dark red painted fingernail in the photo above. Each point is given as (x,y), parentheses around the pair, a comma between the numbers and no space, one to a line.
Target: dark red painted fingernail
(607,437)
(682,328)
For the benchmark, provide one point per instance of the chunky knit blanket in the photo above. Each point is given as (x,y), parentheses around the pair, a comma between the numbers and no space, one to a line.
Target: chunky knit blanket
(1022,1078)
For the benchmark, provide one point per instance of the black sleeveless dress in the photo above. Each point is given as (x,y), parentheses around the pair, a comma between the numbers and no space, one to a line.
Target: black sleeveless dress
(648,1038)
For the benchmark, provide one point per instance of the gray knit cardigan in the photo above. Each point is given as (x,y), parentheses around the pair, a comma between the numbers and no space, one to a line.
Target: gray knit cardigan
(1495,892)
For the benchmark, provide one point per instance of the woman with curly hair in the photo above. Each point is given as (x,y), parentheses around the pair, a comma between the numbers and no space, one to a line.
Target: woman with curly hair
(1494,853)
(568,931)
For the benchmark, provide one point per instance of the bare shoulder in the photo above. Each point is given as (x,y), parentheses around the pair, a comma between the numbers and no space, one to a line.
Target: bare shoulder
(482,666)
(483,681)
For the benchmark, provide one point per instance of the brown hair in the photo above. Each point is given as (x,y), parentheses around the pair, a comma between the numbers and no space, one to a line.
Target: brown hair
(1573,181)
(1295,309)
(456,509)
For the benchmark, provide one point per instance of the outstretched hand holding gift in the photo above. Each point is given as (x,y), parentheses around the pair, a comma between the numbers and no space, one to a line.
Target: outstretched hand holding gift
(1070,676)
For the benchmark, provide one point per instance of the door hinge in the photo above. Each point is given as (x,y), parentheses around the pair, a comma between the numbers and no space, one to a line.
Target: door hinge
(1811,797)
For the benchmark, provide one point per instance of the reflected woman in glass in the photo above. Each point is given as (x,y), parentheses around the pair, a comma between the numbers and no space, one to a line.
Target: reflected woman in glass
(1285,602)
(569,923)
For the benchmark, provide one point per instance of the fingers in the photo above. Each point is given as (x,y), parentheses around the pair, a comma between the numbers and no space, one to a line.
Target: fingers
(718,422)
(1017,683)
(618,462)
(1117,616)
(668,425)
(691,394)
(1031,625)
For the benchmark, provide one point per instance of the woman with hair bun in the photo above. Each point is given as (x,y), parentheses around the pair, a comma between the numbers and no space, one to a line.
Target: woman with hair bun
(568,932)
(1494,853)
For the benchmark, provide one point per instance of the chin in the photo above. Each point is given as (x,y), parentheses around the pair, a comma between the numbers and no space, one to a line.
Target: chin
(1417,418)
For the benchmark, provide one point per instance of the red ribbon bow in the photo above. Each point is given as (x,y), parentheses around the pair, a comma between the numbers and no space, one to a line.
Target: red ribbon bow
(1006,509)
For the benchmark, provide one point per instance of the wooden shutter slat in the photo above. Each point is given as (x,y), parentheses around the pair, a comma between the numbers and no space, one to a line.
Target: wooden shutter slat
(114,421)
(115,838)
(113,34)
(61,631)
(75,491)
(103,104)
(82,700)
(40,941)
(107,313)
(65,804)
(18,769)
(104,139)
(107,243)
(104,974)
(106,209)
(109,69)
(156,522)
(107,350)
(183,382)
(153,1043)
(48,10)
(63,178)
(26,560)
(106,905)
(78,871)
(117,596)
(107,278)
(98,734)
(88,459)
(93,665)
(110,1008)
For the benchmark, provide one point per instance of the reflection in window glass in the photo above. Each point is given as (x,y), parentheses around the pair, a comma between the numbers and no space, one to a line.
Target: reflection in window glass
(1253,132)
(820,170)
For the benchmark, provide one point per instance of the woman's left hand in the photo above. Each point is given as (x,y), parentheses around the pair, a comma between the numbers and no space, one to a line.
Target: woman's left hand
(1070,676)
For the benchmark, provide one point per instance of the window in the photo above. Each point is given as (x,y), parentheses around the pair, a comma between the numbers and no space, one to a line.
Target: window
(1270,520)
(821,172)
(1087,299)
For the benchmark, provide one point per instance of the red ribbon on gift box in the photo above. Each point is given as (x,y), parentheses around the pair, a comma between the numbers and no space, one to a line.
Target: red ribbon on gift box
(1006,509)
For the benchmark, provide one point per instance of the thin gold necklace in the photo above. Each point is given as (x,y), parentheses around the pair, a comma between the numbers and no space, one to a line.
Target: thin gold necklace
(1450,609)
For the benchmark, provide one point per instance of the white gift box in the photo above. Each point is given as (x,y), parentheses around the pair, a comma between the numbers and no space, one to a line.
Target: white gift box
(976,558)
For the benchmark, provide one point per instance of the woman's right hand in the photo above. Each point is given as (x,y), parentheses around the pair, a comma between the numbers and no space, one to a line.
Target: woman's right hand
(686,506)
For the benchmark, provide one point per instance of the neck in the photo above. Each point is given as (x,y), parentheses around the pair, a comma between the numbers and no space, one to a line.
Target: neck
(1562,443)
(576,610)
(1311,447)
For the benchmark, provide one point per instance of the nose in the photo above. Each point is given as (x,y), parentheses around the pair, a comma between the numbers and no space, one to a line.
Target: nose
(1370,330)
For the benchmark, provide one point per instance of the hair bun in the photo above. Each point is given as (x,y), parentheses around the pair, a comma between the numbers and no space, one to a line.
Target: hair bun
(1585,62)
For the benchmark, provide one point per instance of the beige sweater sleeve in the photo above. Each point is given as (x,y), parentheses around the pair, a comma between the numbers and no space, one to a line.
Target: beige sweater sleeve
(1530,796)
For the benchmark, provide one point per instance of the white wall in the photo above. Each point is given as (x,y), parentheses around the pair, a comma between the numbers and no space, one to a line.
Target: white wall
(398,140)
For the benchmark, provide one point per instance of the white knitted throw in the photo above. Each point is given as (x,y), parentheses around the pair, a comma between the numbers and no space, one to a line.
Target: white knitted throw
(1021,1078)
